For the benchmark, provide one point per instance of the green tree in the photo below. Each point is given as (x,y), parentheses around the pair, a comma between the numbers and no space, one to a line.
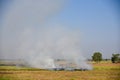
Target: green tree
(115,58)
(97,57)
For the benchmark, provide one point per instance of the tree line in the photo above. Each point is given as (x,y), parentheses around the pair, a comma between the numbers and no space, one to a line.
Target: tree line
(97,57)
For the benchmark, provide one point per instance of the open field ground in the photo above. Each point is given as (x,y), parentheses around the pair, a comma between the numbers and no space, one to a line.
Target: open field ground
(101,71)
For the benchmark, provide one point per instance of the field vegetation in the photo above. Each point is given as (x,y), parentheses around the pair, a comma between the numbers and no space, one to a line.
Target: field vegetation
(104,70)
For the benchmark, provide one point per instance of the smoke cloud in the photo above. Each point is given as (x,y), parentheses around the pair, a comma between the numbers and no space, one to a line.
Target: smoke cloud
(27,35)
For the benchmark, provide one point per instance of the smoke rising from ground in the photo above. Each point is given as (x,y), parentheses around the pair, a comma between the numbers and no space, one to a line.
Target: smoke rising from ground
(27,35)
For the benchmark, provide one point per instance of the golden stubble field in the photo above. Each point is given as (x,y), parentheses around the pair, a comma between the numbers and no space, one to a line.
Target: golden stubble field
(101,71)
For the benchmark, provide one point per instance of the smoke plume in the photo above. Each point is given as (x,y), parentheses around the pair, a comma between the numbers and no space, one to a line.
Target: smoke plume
(27,35)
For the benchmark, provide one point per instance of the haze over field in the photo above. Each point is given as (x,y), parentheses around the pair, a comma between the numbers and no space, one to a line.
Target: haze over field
(43,30)
(28,36)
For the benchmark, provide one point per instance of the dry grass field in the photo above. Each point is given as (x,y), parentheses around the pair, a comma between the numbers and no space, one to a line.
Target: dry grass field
(101,71)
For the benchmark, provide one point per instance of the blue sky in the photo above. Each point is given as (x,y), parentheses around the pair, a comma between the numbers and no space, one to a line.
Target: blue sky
(97,21)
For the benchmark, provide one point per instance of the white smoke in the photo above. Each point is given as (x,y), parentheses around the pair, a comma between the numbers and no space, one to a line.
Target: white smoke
(27,35)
